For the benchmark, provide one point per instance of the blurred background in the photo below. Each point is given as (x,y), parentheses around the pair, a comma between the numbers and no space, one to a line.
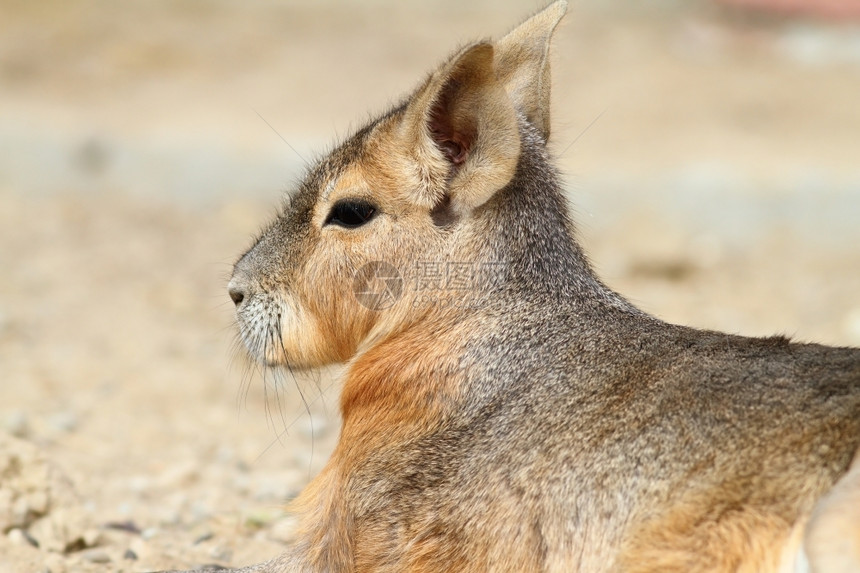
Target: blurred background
(711,151)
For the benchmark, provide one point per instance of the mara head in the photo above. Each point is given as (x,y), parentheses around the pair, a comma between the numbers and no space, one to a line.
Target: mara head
(430,181)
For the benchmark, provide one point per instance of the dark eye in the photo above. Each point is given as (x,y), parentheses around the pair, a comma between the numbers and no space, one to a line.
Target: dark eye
(351,213)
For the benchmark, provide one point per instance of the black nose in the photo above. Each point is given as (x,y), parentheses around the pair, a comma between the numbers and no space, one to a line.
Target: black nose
(241,288)
(237,295)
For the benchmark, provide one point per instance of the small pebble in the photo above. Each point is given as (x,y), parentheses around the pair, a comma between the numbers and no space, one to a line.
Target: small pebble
(17,423)
(127,526)
(140,548)
(66,421)
(20,537)
(204,537)
(149,532)
(95,556)
(221,553)
(130,555)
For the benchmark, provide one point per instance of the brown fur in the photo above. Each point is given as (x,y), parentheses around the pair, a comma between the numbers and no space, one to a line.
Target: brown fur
(705,536)
(541,422)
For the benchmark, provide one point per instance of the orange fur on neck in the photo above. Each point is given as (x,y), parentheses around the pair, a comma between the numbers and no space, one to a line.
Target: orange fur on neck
(399,389)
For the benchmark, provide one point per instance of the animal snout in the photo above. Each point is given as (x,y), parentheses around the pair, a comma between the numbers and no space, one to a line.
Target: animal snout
(239,291)
(237,295)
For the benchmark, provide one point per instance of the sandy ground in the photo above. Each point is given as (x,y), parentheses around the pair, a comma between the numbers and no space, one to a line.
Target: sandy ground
(711,157)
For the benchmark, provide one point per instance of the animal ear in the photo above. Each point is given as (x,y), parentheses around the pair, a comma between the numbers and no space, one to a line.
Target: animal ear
(462,132)
(522,64)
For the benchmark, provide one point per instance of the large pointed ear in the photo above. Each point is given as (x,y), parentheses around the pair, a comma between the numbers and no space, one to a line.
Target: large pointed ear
(522,64)
(463,132)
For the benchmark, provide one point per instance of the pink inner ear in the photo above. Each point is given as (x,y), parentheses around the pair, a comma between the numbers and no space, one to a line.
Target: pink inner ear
(455,152)
(453,144)
(455,141)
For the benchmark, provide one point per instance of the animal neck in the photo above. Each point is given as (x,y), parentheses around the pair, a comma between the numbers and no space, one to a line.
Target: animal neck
(405,381)
(533,230)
